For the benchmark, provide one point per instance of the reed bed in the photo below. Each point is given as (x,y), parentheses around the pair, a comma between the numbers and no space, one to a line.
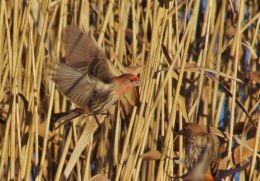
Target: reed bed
(198,61)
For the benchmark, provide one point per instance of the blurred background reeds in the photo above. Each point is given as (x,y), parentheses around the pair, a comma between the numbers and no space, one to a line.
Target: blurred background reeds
(198,62)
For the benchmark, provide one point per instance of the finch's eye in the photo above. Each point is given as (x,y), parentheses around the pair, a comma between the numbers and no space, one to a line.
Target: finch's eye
(131,80)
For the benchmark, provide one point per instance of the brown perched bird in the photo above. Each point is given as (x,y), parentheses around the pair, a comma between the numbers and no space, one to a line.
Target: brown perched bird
(85,78)
(201,152)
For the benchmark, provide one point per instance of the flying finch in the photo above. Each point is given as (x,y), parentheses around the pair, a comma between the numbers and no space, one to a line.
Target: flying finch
(201,152)
(85,78)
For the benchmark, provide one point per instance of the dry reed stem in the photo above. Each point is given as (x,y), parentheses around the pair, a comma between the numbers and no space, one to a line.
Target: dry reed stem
(219,39)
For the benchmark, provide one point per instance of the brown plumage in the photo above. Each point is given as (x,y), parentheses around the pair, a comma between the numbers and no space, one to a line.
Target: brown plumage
(85,78)
(201,152)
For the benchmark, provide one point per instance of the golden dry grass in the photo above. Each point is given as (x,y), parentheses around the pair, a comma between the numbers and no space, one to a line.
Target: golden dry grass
(209,48)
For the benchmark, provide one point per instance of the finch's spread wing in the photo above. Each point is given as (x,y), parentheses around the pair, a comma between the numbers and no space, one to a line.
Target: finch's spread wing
(78,87)
(83,53)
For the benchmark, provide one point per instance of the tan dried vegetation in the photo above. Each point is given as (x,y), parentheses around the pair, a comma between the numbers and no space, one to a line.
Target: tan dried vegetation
(207,72)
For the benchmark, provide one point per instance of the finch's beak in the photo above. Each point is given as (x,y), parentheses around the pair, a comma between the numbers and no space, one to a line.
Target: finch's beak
(137,83)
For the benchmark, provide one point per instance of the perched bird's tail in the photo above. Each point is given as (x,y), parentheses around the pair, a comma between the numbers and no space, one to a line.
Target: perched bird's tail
(208,176)
(66,116)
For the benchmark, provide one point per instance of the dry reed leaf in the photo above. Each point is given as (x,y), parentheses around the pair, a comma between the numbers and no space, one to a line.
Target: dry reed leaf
(216,72)
(245,152)
(99,177)
(166,54)
(85,139)
(236,100)
(132,33)
(242,151)
(251,49)
(194,68)
(129,100)
(151,155)
(36,16)
(254,77)
(225,173)
(219,133)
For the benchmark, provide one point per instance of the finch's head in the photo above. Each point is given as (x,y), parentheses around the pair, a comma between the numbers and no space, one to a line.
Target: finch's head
(129,79)
(125,82)
(133,79)
(191,129)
